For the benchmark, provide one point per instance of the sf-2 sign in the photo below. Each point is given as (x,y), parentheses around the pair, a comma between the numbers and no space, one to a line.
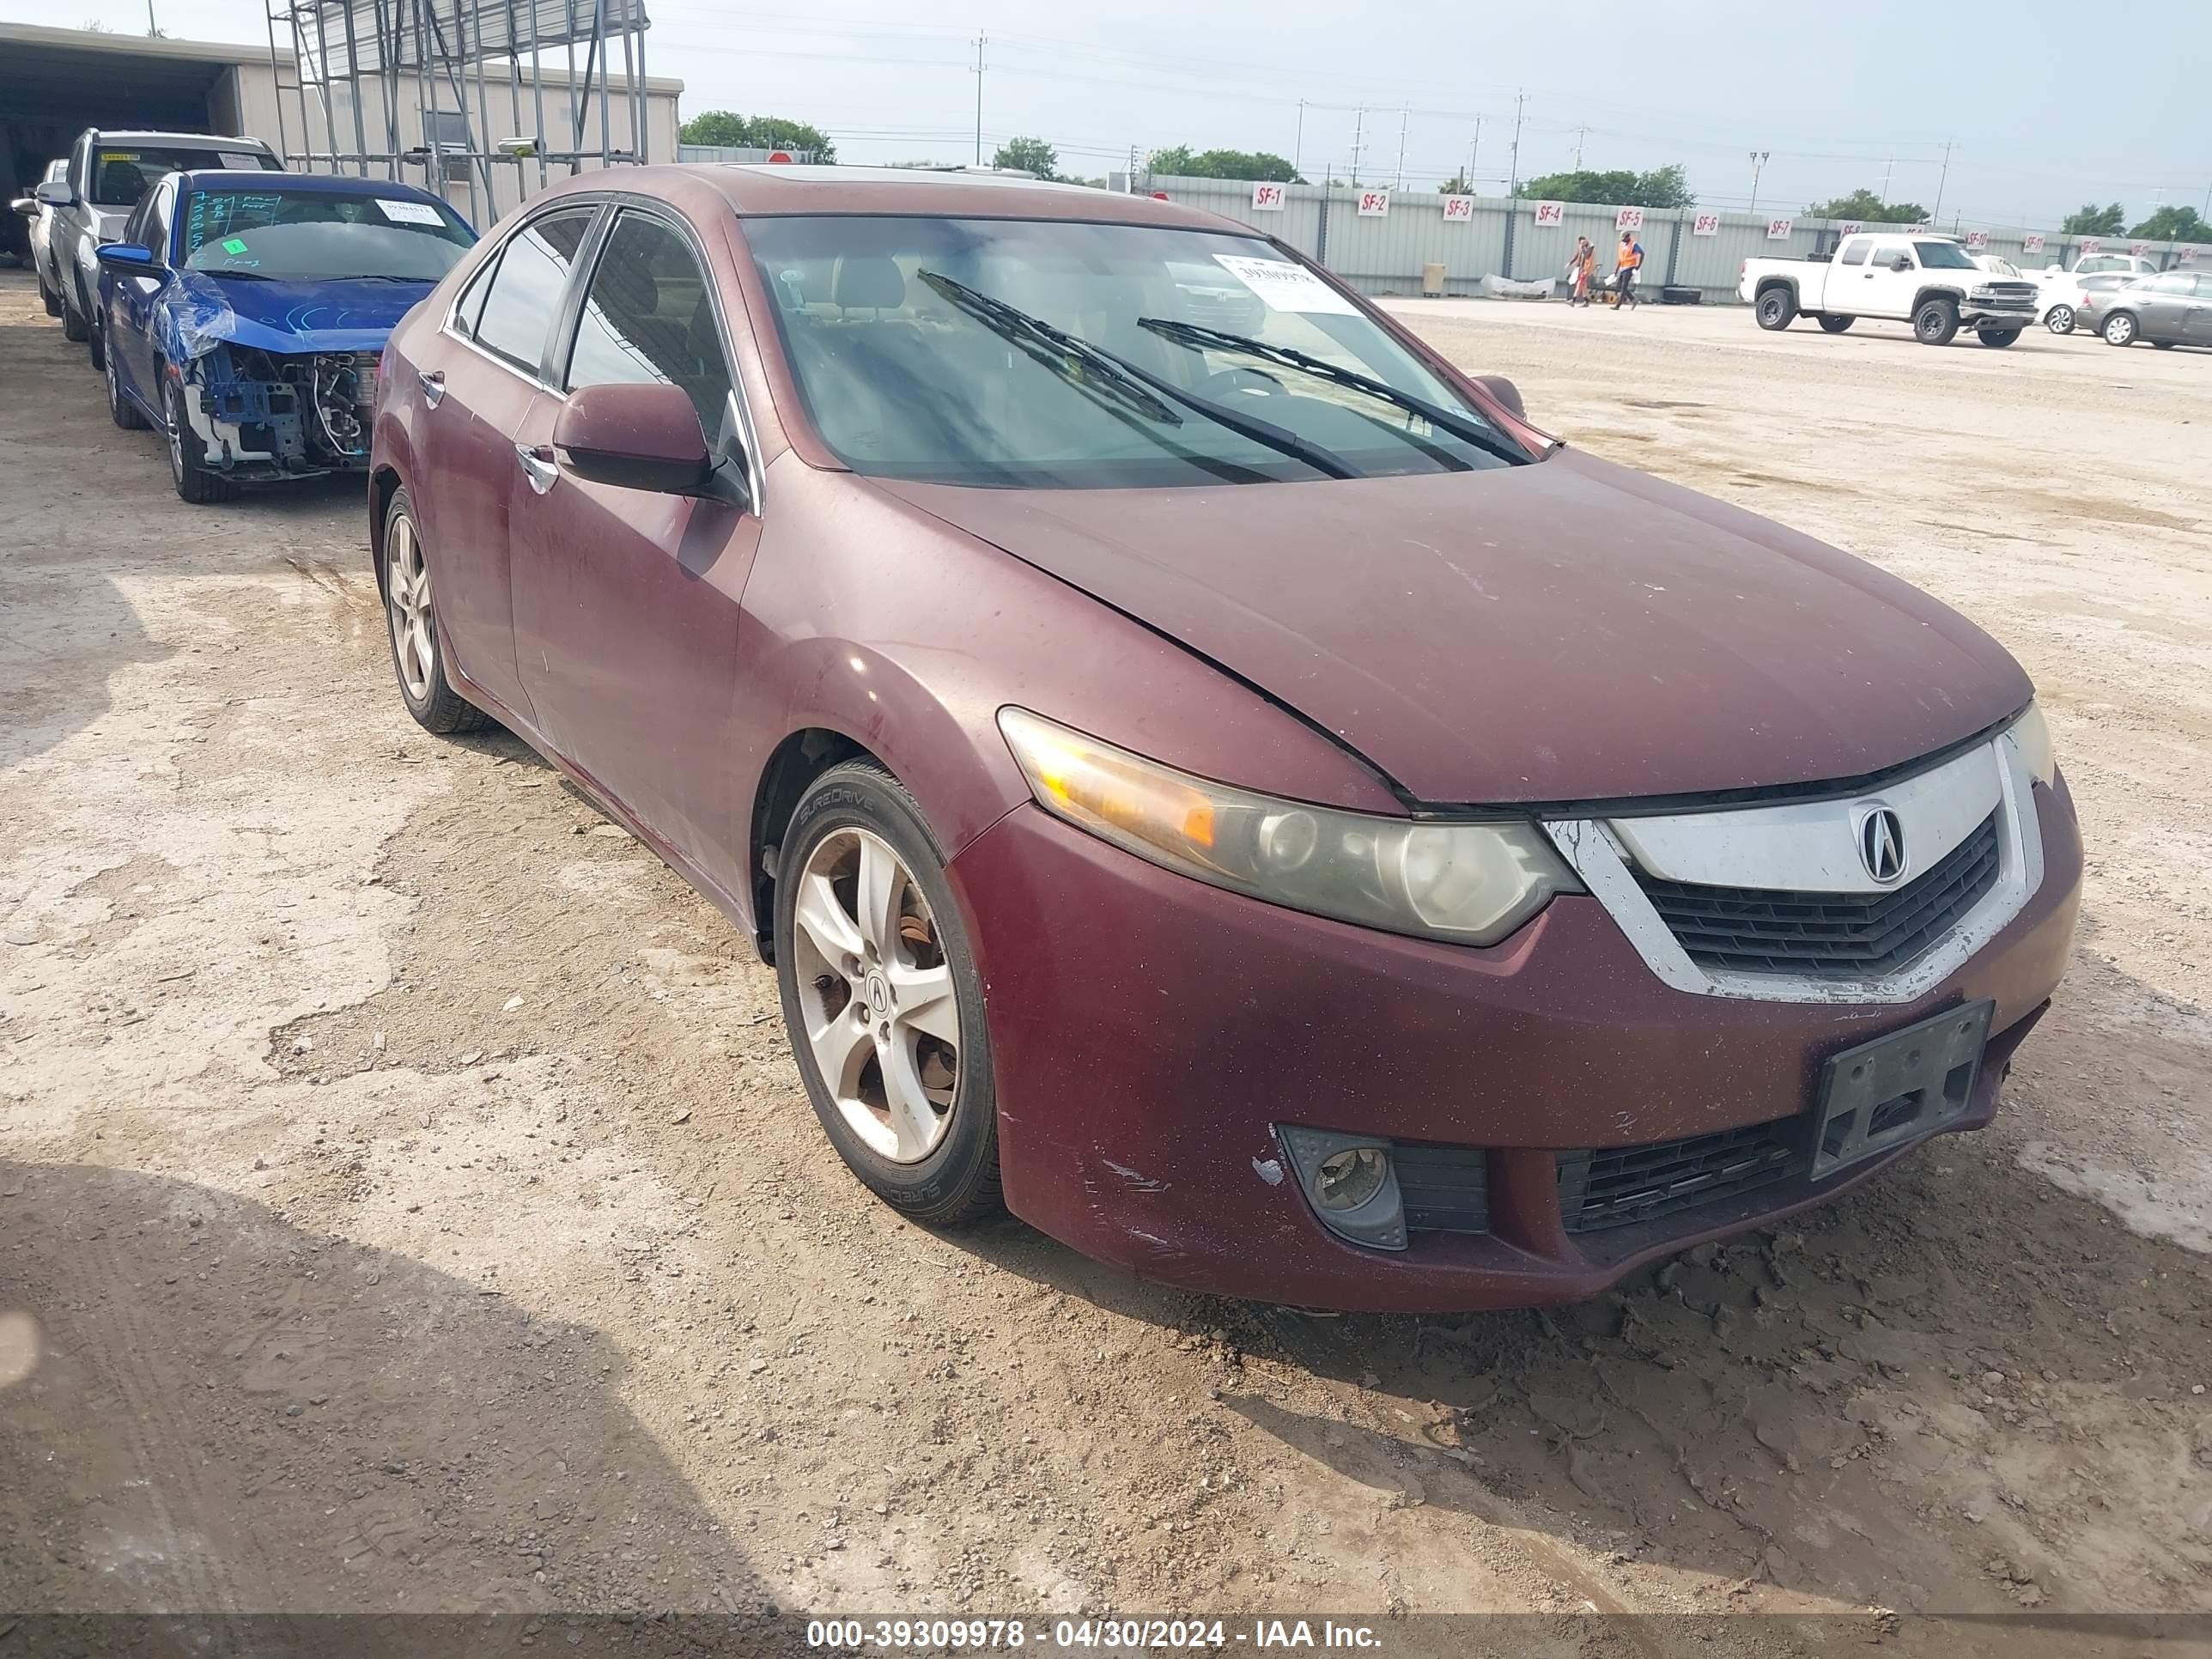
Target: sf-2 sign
(1268,198)
(1374,203)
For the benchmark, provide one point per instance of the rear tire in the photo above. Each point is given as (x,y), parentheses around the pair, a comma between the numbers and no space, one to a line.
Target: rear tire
(120,409)
(956,1179)
(95,336)
(1775,308)
(195,481)
(2061,319)
(1935,322)
(74,329)
(418,648)
(1999,337)
(48,298)
(1837,324)
(2120,328)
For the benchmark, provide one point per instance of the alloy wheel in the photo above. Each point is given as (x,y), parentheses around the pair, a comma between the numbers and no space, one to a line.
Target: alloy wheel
(175,403)
(882,1014)
(407,597)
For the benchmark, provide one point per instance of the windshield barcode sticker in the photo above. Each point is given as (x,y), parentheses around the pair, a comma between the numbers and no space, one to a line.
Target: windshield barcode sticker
(409,213)
(1283,286)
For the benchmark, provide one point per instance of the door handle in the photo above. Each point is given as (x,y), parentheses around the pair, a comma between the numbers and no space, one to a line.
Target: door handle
(433,385)
(537,465)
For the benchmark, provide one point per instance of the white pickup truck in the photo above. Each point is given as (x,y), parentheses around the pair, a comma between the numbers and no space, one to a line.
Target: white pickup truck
(1930,281)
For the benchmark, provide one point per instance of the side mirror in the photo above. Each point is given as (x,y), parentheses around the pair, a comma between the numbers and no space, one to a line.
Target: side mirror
(124,256)
(54,193)
(636,437)
(1504,390)
(1903,262)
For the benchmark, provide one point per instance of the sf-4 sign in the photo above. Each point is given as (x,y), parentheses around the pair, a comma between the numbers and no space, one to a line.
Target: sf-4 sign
(1268,198)
(1551,213)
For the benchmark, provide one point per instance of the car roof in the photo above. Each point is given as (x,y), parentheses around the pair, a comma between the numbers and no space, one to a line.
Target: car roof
(766,189)
(307,184)
(195,140)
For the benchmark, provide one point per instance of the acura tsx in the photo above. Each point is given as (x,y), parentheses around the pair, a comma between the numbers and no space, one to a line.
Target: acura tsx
(1209,776)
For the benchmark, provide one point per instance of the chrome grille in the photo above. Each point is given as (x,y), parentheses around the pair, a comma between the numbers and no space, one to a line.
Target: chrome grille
(1827,935)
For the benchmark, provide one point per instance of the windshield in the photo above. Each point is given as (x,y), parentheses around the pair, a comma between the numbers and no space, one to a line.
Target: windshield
(121,175)
(926,349)
(297,235)
(1944,256)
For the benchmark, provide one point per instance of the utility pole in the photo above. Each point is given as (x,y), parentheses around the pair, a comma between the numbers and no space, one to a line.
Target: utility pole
(979,99)
(1886,167)
(1580,133)
(1401,183)
(1298,146)
(1758,166)
(1474,150)
(1943,178)
(1359,129)
(153,28)
(1519,99)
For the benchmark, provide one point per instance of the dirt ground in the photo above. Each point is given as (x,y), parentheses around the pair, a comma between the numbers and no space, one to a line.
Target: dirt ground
(408,1201)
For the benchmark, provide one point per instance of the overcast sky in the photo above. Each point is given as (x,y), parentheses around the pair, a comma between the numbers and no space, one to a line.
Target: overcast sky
(2047,104)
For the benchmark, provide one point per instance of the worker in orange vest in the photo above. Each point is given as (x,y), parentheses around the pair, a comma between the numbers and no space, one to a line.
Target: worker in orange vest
(1626,264)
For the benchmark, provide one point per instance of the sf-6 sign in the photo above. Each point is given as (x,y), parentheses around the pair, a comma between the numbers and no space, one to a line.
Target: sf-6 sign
(1705,224)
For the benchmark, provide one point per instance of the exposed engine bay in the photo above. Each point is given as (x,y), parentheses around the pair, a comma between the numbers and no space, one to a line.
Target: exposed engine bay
(261,413)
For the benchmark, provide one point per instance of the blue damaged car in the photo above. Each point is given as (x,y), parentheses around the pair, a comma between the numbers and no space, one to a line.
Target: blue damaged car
(245,312)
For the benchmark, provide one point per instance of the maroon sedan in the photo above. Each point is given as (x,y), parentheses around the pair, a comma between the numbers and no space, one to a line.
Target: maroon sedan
(1210,775)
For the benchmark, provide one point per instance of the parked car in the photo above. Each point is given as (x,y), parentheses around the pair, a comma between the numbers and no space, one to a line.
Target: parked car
(39,224)
(1250,799)
(244,316)
(2103,264)
(1931,282)
(107,174)
(2172,308)
(2065,298)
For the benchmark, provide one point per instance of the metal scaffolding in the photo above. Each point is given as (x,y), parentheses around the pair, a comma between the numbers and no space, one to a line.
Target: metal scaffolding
(363,62)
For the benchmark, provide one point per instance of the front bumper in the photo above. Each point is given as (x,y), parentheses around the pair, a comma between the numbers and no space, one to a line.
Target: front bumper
(1974,316)
(1149,1032)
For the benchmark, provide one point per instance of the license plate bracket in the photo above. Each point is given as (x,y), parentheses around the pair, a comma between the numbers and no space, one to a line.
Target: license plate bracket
(1899,1088)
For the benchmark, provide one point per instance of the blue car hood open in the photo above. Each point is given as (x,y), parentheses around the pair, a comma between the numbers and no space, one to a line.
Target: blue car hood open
(198,313)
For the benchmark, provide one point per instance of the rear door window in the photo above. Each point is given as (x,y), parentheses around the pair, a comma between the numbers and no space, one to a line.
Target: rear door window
(1855,250)
(648,318)
(524,290)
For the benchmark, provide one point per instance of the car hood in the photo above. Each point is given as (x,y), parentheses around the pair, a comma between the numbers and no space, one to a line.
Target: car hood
(206,311)
(1570,630)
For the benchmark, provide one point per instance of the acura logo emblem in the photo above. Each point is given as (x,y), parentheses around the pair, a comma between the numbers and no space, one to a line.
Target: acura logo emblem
(1882,845)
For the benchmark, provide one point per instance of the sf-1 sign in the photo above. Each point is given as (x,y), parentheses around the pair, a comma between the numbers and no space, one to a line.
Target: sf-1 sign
(1268,198)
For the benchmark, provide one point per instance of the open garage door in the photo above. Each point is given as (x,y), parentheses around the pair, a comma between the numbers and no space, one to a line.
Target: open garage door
(54,83)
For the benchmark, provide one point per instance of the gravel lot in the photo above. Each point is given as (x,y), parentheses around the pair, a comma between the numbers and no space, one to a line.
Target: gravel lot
(407,1201)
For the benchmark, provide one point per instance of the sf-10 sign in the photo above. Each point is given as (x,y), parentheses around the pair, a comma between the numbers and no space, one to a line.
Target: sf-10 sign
(1268,198)
(1459,210)
(1551,213)
(1374,203)
(1705,224)
(2032,243)
(1628,219)
(1978,239)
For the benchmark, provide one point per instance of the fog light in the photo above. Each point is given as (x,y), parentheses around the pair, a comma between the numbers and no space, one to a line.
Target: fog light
(1351,1178)
(1351,1183)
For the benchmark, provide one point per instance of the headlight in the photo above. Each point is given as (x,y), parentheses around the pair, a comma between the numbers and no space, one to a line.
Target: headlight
(2034,738)
(1470,882)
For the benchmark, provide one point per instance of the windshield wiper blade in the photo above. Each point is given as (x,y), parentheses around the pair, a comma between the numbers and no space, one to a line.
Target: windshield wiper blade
(1197,336)
(1133,380)
(241,275)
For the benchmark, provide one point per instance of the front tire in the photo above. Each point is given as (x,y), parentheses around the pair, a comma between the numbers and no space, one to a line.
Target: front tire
(1998,338)
(195,481)
(418,651)
(95,336)
(882,999)
(1935,322)
(1775,308)
(74,329)
(2061,319)
(1837,324)
(2120,328)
